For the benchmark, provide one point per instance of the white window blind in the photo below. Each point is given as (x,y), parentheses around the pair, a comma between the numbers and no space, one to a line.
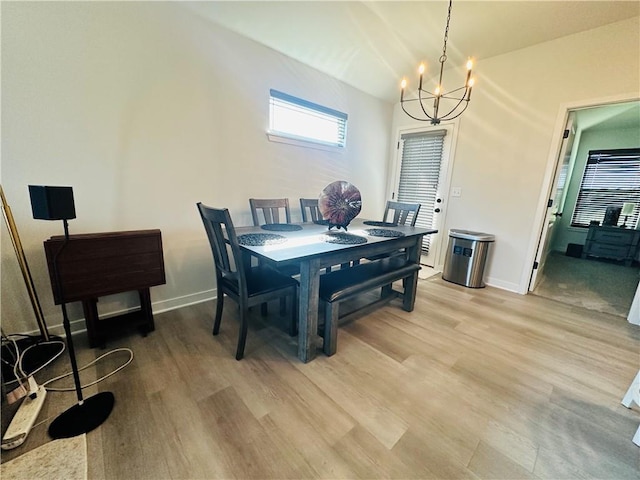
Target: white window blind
(420,172)
(611,178)
(302,120)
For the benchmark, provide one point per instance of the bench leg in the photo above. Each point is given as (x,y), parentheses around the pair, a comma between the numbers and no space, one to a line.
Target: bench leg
(330,341)
(409,297)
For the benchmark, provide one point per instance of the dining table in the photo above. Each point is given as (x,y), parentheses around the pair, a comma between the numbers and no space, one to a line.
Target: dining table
(314,247)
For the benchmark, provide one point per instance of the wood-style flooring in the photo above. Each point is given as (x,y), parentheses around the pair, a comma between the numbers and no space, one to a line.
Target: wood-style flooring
(475,383)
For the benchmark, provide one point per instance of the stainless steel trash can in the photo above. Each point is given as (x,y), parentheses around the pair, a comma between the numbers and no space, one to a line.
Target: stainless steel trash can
(466,257)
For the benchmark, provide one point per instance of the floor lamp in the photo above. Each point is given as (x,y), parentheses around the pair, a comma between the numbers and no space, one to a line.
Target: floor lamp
(43,348)
(56,203)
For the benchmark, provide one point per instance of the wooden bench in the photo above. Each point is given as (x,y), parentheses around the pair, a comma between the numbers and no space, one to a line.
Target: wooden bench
(346,283)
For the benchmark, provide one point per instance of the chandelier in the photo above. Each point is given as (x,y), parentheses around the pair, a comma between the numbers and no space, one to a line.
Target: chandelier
(454,102)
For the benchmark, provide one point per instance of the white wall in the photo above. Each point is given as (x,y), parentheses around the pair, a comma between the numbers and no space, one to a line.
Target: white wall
(146,109)
(591,139)
(505,137)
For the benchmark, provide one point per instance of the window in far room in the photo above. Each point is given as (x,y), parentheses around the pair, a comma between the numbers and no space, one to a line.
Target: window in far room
(611,178)
(298,121)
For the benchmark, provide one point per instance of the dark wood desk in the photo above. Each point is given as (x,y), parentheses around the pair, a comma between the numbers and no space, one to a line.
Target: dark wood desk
(99,264)
(305,247)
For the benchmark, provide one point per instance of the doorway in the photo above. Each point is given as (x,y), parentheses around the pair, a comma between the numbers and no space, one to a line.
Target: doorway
(422,175)
(560,271)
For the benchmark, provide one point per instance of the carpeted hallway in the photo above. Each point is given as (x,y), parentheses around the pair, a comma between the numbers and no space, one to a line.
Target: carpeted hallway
(589,283)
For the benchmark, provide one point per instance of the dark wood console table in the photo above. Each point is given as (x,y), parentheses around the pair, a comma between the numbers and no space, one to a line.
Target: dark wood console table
(613,243)
(98,264)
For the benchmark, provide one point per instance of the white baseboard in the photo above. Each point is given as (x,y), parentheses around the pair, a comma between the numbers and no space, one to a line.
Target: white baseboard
(509,286)
(79,325)
(184,301)
(634,311)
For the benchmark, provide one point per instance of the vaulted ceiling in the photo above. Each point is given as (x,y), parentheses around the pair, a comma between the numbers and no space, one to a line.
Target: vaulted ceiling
(372,45)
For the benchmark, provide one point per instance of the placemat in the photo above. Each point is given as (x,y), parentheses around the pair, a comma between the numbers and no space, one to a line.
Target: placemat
(383,232)
(374,223)
(260,239)
(281,227)
(343,238)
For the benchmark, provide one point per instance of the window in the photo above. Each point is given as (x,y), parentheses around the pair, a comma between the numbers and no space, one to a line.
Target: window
(293,118)
(420,173)
(611,178)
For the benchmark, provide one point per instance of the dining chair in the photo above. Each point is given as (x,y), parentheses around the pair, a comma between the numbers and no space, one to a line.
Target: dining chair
(311,213)
(247,286)
(400,215)
(310,210)
(271,209)
(401,212)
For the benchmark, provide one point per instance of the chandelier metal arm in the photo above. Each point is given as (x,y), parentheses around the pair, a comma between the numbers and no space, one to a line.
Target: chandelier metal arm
(412,116)
(447,117)
(444,117)
(448,94)
(424,110)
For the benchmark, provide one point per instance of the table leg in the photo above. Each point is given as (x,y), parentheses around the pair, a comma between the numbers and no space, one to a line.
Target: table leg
(90,308)
(146,311)
(308,310)
(411,283)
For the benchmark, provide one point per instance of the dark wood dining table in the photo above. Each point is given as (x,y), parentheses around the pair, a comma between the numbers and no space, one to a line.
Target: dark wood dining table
(310,247)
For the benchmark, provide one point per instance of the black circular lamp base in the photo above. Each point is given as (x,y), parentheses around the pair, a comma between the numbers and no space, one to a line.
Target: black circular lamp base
(83,417)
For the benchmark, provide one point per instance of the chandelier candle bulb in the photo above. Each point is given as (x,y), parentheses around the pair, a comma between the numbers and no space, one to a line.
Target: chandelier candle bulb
(470,85)
(420,71)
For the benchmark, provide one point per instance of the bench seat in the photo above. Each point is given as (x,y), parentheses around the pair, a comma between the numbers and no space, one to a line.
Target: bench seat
(346,283)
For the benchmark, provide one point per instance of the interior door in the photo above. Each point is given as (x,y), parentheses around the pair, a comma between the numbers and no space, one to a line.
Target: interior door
(556,202)
(421,177)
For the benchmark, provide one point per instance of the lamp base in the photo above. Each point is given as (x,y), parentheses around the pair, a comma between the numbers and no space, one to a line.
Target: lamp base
(82,417)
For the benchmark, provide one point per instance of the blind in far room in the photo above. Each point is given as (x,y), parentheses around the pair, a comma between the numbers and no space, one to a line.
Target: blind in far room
(611,178)
(419,174)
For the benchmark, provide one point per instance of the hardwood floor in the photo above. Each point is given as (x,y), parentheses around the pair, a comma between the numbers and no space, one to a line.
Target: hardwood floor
(472,384)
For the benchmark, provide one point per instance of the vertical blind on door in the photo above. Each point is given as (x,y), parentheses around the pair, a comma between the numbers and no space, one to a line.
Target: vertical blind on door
(419,174)
(611,178)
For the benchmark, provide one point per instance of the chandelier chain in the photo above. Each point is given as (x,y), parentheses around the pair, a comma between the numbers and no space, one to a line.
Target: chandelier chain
(443,57)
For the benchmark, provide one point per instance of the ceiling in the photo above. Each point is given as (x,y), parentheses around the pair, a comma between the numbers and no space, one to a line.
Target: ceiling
(610,117)
(372,45)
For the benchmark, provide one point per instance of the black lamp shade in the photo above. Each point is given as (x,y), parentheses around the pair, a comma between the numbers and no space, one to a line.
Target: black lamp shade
(611,216)
(52,203)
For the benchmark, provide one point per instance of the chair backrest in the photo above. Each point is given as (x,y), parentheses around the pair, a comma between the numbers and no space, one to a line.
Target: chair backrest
(310,204)
(227,255)
(271,208)
(401,212)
